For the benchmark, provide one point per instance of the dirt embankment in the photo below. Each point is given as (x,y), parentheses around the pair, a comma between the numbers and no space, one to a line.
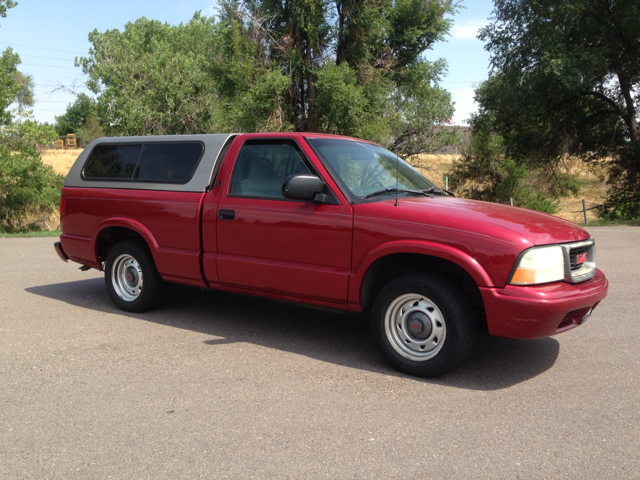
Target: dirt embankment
(433,167)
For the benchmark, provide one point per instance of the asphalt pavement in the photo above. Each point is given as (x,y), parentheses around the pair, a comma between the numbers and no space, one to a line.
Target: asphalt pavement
(217,385)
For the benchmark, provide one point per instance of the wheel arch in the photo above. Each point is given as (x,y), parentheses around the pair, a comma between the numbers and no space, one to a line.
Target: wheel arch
(114,230)
(390,263)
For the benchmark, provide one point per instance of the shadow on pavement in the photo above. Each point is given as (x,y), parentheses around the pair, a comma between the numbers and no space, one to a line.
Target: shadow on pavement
(329,336)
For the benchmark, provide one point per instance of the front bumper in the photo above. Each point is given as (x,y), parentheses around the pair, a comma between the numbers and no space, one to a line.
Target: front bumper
(542,310)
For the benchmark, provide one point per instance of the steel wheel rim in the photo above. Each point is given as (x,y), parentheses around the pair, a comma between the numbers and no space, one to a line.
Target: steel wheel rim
(126,277)
(406,312)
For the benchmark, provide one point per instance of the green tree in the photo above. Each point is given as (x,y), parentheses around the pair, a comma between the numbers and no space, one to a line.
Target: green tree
(24,97)
(251,90)
(6,5)
(346,67)
(90,130)
(9,87)
(566,81)
(153,78)
(26,185)
(76,115)
(486,171)
(357,67)
(15,86)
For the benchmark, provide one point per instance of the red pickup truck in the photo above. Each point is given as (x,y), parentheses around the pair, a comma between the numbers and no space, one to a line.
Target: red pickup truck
(330,221)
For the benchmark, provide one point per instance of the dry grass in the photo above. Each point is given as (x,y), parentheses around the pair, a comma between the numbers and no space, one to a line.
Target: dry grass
(60,160)
(433,167)
(593,191)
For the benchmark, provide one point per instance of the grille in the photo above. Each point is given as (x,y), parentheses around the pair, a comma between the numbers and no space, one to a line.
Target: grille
(579,272)
(573,257)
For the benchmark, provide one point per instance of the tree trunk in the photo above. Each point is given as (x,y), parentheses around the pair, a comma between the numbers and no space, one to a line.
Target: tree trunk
(630,117)
(341,50)
(311,90)
(303,111)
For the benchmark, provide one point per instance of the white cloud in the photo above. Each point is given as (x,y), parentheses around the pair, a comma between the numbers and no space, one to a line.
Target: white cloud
(464,104)
(467,30)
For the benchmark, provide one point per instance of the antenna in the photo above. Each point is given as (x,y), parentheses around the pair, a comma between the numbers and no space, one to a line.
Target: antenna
(397,162)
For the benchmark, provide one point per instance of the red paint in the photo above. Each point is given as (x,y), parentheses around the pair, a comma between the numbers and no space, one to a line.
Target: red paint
(536,312)
(167,221)
(319,254)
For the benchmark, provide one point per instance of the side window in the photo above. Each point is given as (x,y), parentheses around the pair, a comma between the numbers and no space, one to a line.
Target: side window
(112,161)
(262,167)
(174,163)
(149,162)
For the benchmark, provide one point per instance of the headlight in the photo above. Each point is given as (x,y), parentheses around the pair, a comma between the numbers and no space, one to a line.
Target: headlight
(540,265)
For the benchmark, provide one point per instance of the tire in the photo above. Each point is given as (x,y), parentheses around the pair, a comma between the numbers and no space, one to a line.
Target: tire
(422,325)
(132,280)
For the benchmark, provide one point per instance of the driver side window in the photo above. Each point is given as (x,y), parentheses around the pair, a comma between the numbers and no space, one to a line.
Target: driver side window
(261,168)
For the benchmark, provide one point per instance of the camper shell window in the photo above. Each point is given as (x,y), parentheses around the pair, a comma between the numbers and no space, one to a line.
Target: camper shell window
(148,162)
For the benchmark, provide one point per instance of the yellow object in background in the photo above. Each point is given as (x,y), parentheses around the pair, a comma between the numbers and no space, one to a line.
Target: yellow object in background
(71,140)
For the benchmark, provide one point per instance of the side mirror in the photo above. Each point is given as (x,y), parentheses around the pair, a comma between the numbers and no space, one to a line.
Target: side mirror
(305,187)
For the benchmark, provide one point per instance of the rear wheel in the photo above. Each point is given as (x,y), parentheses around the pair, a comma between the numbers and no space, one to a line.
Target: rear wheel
(422,325)
(132,280)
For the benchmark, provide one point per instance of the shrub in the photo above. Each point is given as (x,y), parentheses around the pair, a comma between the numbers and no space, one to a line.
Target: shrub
(487,172)
(26,184)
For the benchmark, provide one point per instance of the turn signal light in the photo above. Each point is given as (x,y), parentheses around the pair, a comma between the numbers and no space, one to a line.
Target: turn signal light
(524,276)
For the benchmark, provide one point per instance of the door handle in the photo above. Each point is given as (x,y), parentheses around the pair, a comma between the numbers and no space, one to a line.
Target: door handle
(226,214)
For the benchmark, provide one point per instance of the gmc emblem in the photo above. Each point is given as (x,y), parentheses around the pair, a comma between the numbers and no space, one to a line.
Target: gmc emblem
(581,258)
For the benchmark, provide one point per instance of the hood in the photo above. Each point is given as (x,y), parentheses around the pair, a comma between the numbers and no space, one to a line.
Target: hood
(488,219)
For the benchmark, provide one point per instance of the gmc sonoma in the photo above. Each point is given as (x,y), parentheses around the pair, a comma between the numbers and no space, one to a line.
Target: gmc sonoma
(330,221)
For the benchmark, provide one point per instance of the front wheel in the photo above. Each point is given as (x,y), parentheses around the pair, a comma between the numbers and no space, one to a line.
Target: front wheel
(422,325)
(132,280)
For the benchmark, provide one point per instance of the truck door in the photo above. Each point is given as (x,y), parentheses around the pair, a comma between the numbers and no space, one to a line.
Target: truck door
(271,244)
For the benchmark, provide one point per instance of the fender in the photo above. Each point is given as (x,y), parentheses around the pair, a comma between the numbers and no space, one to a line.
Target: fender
(129,223)
(462,259)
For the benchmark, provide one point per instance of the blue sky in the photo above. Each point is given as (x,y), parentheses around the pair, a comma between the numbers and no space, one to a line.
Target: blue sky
(48,35)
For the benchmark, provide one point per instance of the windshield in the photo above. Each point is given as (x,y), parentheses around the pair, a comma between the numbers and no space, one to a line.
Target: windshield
(362,168)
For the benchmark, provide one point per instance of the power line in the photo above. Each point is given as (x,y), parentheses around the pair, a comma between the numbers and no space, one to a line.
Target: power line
(45,58)
(41,48)
(53,85)
(462,81)
(51,66)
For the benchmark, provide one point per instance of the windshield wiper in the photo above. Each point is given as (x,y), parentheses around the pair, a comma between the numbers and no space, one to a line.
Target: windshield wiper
(438,191)
(386,191)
